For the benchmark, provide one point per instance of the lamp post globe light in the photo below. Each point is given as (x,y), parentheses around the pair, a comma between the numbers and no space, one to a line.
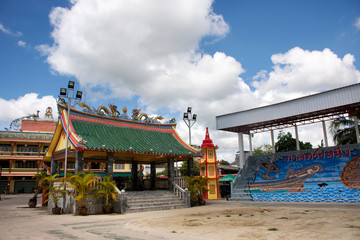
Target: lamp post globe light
(69,93)
(190,120)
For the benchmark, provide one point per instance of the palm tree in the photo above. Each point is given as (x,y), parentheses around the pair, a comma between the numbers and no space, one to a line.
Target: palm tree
(197,186)
(82,184)
(343,130)
(107,190)
(56,192)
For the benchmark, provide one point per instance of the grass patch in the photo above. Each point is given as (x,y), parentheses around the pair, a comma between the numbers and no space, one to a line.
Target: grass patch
(227,215)
(273,229)
(240,214)
(191,220)
(352,226)
(173,231)
(208,218)
(284,218)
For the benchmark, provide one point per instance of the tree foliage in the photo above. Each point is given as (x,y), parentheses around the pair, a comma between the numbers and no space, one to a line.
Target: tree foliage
(197,187)
(107,190)
(287,143)
(54,192)
(263,149)
(82,184)
(224,162)
(343,130)
(184,169)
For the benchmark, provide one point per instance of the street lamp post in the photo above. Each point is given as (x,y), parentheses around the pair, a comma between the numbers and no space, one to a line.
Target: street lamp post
(69,94)
(190,120)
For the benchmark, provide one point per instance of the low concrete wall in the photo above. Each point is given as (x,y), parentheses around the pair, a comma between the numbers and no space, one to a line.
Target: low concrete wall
(94,205)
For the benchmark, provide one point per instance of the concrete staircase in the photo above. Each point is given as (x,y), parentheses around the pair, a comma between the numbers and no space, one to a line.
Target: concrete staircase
(144,201)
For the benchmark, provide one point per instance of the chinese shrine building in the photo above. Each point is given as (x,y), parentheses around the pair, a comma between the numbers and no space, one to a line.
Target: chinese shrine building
(101,139)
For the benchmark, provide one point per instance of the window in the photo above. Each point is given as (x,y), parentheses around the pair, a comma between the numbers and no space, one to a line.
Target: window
(28,149)
(27,164)
(5,147)
(119,166)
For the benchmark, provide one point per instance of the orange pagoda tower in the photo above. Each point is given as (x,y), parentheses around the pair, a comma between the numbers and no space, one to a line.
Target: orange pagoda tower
(208,167)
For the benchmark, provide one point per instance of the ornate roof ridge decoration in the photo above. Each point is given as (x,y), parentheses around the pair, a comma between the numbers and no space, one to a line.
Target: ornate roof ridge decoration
(112,112)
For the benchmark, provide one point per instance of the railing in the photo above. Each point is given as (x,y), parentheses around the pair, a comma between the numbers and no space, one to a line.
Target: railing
(22,170)
(5,153)
(183,194)
(9,153)
(180,181)
(237,175)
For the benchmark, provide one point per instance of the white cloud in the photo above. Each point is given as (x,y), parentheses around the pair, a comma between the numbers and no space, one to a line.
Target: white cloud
(8,31)
(24,106)
(300,72)
(150,50)
(357,23)
(22,43)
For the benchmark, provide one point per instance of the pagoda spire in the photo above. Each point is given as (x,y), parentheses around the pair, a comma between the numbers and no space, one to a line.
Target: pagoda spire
(208,166)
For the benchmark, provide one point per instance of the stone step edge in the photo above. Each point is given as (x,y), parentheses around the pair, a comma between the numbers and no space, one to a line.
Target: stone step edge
(152,199)
(144,209)
(155,204)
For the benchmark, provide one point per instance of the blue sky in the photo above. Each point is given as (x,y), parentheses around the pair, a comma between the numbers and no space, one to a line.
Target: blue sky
(163,56)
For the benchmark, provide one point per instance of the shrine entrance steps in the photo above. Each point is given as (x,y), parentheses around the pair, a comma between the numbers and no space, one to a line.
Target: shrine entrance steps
(144,201)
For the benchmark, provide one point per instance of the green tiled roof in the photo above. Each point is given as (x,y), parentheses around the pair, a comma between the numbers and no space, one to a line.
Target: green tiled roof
(26,135)
(129,139)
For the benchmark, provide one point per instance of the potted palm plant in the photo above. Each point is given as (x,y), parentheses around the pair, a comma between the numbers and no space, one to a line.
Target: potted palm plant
(39,179)
(197,187)
(107,190)
(82,183)
(54,191)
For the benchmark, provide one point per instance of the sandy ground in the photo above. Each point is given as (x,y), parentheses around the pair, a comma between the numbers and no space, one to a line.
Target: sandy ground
(229,220)
(218,219)
(249,220)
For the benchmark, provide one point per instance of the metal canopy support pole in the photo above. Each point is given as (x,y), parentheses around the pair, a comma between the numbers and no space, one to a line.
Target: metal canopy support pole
(325,133)
(356,128)
(272,141)
(250,144)
(241,149)
(297,138)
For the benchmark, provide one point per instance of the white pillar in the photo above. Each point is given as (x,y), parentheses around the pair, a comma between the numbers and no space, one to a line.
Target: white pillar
(241,149)
(325,133)
(272,141)
(297,138)
(250,144)
(356,128)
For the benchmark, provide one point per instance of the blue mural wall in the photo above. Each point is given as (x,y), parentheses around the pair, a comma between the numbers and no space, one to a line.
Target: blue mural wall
(317,175)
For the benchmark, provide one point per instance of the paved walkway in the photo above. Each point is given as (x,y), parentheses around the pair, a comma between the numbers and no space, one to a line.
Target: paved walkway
(18,221)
